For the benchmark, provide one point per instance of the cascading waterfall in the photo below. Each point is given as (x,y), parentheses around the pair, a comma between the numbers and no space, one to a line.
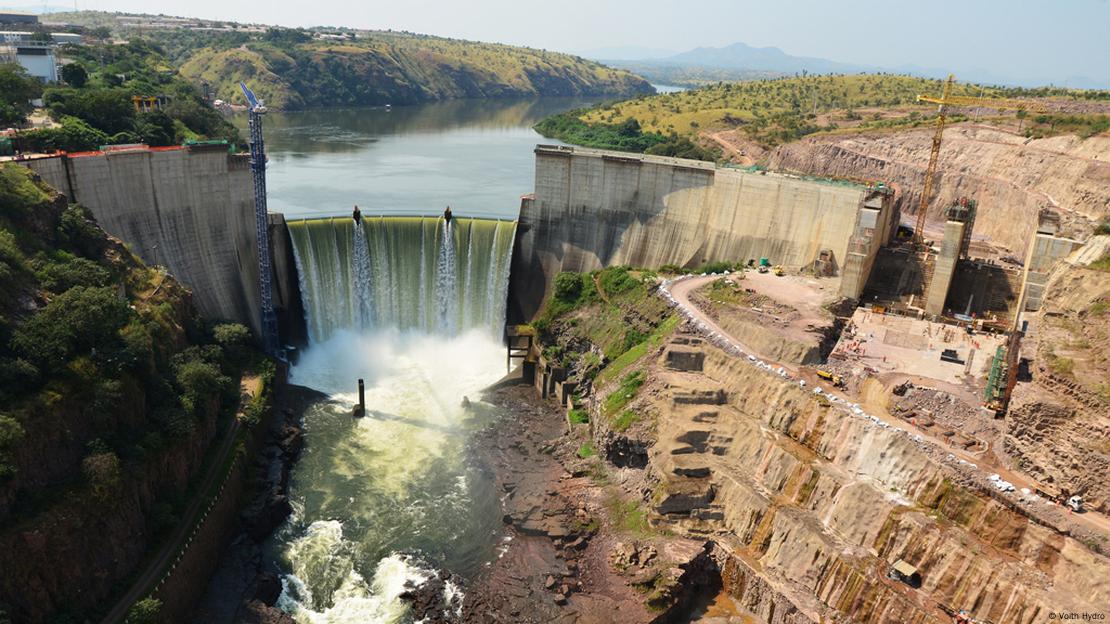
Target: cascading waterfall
(405,272)
(414,306)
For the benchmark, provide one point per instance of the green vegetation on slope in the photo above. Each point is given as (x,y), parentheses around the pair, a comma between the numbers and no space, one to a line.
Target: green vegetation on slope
(597,324)
(775,111)
(95,107)
(290,70)
(110,390)
(626,136)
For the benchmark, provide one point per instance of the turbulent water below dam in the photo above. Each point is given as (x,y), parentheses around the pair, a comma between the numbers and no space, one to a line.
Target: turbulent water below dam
(415,307)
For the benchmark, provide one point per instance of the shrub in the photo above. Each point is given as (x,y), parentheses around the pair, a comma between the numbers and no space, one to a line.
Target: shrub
(75,75)
(146,611)
(715,267)
(11,433)
(74,134)
(586,450)
(1103,228)
(76,321)
(78,229)
(108,110)
(17,88)
(103,473)
(579,416)
(199,380)
(616,280)
(59,277)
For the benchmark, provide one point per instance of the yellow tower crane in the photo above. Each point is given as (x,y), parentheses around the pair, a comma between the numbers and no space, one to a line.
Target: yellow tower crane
(946,100)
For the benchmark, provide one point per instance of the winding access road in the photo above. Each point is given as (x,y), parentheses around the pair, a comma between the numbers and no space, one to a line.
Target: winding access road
(682,289)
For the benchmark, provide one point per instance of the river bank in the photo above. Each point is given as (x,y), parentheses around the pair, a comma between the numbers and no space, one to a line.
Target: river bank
(561,556)
(246,585)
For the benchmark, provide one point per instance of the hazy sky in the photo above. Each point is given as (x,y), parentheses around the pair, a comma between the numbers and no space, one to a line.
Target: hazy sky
(1053,40)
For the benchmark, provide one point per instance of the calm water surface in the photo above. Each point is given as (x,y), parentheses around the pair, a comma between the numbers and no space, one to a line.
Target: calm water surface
(474,155)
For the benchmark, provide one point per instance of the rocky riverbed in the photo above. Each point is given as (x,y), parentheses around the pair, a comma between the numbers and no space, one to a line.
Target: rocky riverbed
(559,558)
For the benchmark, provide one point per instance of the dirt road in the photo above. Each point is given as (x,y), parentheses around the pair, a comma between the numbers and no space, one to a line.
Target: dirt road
(681,290)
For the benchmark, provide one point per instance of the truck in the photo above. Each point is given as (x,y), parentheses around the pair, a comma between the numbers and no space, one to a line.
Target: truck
(1075,503)
(833,378)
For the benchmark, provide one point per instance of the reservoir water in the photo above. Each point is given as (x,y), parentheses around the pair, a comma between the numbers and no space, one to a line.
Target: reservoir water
(413,306)
(475,155)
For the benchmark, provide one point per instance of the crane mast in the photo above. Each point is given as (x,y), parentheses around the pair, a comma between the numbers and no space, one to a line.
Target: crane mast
(934,156)
(261,221)
(946,100)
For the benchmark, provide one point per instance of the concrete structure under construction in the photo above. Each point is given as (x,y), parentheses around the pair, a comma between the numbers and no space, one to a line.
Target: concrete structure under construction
(945,267)
(954,247)
(189,209)
(1045,250)
(594,208)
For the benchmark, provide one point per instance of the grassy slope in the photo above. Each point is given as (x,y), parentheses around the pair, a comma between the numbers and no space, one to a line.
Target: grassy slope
(776,111)
(391,68)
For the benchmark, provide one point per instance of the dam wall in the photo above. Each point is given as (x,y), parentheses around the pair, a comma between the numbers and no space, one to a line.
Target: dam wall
(594,208)
(189,209)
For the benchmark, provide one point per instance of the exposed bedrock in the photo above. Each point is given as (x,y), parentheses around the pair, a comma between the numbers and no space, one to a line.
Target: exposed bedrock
(817,503)
(1012,177)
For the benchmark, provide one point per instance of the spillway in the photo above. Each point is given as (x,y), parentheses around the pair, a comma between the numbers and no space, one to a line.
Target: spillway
(415,306)
(418,273)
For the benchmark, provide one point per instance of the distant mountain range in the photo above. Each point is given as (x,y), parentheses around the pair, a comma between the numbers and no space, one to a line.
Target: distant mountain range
(741,61)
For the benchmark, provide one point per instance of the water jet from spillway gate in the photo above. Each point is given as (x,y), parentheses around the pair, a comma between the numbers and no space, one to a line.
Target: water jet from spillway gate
(413,308)
(411,273)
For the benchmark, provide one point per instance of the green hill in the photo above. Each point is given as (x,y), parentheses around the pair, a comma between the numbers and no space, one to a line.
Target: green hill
(393,68)
(775,111)
(325,67)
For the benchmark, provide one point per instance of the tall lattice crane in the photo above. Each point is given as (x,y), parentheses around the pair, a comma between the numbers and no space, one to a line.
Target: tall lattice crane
(261,221)
(946,100)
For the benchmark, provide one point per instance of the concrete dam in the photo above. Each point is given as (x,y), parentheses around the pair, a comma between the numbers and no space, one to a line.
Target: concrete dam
(190,209)
(594,208)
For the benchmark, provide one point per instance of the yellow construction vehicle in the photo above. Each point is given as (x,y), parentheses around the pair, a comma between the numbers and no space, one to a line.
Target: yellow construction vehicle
(780,271)
(833,378)
(946,100)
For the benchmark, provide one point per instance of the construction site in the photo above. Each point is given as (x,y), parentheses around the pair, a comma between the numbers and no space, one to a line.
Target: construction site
(830,407)
(872,416)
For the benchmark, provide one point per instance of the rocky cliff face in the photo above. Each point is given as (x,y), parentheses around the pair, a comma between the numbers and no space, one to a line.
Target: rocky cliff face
(1058,425)
(1012,177)
(813,504)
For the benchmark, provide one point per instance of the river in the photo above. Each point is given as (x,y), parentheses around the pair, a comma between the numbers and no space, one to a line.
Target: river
(393,496)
